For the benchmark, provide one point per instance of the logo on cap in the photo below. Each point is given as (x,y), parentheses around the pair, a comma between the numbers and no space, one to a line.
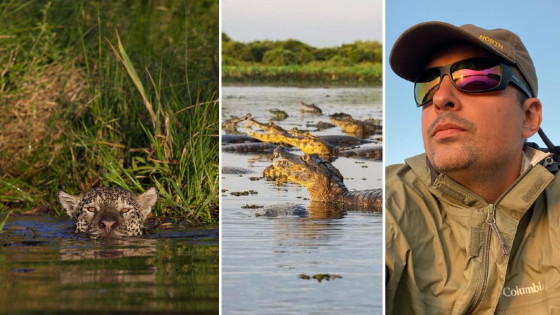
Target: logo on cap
(491,41)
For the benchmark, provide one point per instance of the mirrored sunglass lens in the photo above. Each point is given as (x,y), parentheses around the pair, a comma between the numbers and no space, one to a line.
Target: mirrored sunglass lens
(477,77)
(426,86)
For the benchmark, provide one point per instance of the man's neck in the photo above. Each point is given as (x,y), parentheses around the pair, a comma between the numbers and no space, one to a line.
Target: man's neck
(488,182)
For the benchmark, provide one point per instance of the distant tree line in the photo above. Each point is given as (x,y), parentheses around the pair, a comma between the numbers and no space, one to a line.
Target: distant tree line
(295,52)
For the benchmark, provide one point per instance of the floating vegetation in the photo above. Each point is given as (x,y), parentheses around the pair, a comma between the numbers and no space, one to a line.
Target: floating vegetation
(320,276)
(243,193)
(251,207)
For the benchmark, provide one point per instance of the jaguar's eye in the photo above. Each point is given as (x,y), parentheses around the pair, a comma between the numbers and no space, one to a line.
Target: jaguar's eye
(125,210)
(91,209)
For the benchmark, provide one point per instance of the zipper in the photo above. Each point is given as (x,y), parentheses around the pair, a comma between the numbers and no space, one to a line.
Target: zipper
(485,268)
(492,229)
(492,223)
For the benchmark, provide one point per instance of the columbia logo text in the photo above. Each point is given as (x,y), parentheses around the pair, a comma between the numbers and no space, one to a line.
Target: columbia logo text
(491,41)
(534,288)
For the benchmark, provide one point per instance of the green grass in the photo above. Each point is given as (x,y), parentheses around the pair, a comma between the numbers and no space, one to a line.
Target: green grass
(317,73)
(135,102)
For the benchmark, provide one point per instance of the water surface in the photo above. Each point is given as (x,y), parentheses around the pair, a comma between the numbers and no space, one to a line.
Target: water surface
(45,266)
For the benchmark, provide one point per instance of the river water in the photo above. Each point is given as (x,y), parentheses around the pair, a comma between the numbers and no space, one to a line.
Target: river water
(46,267)
(269,263)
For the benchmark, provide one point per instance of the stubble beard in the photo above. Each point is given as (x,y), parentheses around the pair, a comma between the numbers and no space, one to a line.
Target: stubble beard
(453,159)
(454,156)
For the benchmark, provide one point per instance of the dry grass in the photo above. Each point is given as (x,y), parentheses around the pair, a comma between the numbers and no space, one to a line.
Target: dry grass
(26,114)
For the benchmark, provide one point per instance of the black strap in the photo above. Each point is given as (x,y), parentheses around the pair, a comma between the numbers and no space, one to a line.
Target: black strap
(551,148)
(552,163)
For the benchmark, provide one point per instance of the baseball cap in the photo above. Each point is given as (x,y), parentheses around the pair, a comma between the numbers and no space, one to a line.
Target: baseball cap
(412,50)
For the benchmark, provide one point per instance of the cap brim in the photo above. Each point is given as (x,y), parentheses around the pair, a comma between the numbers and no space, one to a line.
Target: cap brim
(415,46)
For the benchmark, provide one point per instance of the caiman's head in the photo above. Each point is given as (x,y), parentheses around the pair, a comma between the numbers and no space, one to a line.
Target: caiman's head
(271,127)
(304,141)
(348,124)
(321,179)
(271,132)
(309,108)
(311,144)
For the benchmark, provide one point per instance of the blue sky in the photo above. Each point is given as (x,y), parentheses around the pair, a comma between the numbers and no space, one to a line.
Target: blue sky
(536,22)
(321,23)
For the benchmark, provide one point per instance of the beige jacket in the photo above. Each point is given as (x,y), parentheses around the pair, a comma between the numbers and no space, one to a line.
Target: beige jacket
(450,252)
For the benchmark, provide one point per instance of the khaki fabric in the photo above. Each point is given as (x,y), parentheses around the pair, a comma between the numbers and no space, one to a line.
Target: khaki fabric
(443,257)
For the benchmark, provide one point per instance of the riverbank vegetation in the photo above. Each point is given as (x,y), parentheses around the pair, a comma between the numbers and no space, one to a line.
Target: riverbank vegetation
(292,61)
(104,93)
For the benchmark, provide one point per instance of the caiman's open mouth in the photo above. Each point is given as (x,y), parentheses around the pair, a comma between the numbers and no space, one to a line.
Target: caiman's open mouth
(305,170)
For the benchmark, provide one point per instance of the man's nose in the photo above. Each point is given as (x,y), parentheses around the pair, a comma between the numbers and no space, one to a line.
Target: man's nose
(446,97)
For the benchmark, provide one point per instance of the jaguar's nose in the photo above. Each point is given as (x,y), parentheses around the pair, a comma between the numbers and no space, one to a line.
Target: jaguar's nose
(108,224)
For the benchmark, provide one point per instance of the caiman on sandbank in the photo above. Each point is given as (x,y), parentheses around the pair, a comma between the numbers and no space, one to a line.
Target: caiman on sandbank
(322,180)
(307,143)
(230,125)
(309,108)
(359,128)
(325,147)
(278,114)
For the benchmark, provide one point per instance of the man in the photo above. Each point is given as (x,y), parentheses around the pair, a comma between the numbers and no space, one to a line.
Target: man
(472,225)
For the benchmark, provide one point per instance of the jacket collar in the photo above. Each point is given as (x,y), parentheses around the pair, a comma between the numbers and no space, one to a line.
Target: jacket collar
(532,181)
(531,157)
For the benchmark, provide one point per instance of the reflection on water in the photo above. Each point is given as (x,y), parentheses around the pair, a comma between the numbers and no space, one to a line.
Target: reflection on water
(45,266)
(266,260)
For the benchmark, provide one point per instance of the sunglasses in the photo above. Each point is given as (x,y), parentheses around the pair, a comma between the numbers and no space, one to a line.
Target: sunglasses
(470,75)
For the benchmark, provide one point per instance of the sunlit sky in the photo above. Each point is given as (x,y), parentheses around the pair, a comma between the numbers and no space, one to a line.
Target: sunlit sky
(536,22)
(320,23)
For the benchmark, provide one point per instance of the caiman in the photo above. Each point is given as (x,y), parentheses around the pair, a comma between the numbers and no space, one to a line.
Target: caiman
(271,127)
(250,148)
(309,108)
(230,125)
(307,143)
(278,114)
(368,152)
(334,140)
(322,180)
(229,139)
(359,128)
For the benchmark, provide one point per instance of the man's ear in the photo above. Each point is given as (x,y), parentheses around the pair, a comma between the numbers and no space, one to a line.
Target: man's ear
(147,200)
(68,202)
(532,111)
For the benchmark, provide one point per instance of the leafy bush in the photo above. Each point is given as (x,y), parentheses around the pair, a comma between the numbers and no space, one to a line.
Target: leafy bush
(338,61)
(229,61)
(357,52)
(237,51)
(259,48)
(280,57)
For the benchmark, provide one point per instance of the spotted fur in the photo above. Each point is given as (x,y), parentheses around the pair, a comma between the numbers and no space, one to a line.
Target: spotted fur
(109,212)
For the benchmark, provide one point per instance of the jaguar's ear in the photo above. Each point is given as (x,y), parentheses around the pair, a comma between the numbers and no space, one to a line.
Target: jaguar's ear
(147,200)
(68,202)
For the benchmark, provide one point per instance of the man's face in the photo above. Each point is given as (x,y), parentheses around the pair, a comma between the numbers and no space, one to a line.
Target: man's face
(466,132)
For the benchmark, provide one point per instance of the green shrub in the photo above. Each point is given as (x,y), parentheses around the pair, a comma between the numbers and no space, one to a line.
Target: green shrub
(225,38)
(280,57)
(324,54)
(229,61)
(259,48)
(237,51)
(338,61)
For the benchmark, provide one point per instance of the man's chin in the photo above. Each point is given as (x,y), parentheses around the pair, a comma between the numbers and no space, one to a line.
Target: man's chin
(450,162)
